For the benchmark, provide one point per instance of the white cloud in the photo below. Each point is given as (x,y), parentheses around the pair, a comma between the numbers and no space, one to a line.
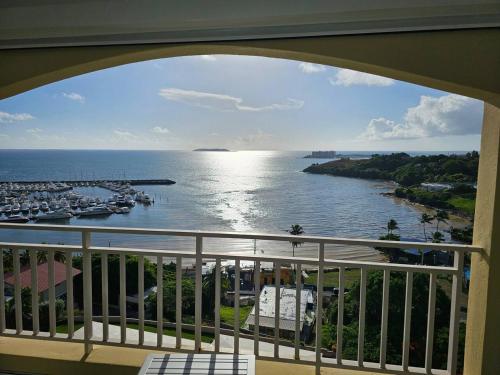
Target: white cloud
(13,117)
(222,102)
(208,57)
(123,134)
(74,96)
(347,77)
(160,130)
(34,130)
(433,117)
(309,68)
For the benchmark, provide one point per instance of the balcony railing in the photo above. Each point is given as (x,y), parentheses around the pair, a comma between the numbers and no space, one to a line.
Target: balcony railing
(198,256)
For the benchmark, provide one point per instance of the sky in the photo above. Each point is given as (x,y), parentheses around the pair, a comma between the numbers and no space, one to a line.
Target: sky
(239,103)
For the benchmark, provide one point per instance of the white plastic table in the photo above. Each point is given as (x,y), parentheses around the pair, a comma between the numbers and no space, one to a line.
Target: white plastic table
(198,364)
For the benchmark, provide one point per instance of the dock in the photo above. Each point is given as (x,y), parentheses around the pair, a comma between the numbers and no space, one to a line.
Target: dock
(136,182)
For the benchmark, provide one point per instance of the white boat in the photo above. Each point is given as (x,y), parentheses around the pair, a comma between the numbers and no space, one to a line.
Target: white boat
(54,215)
(146,199)
(96,211)
(35,207)
(44,206)
(15,219)
(122,210)
(25,207)
(16,208)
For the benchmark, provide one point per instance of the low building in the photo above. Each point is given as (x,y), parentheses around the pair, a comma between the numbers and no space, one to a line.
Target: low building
(287,312)
(42,279)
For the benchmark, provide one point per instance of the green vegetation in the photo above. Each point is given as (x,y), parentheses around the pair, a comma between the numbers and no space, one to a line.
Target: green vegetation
(404,169)
(227,314)
(409,172)
(331,277)
(396,321)
(205,337)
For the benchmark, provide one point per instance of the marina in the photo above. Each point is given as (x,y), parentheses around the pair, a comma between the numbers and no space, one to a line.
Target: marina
(42,201)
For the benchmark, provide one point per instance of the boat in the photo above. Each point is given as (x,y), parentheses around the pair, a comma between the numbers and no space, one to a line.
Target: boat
(122,210)
(15,219)
(44,206)
(54,215)
(96,211)
(35,207)
(25,207)
(146,199)
(16,208)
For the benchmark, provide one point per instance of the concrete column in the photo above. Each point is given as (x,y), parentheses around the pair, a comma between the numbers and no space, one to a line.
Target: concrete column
(482,344)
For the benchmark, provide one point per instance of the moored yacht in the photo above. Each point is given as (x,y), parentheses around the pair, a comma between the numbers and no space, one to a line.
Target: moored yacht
(54,215)
(15,219)
(96,211)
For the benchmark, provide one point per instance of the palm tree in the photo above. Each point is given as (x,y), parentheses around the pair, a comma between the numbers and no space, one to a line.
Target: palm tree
(391,225)
(437,237)
(441,217)
(295,230)
(425,219)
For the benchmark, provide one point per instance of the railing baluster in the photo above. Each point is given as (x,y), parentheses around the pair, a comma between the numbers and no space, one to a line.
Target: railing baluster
(277,295)
(385,315)
(105,299)
(407,320)
(456,293)
(256,329)
(319,305)
(362,313)
(140,304)
(52,295)
(340,316)
(34,292)
(430,322)
(159,301)
(298,285)
(198,294)
(69,295)
(87,290)
(178,303)
(217,304)
(237,282)
(2,294)
(17,291)
(123,300)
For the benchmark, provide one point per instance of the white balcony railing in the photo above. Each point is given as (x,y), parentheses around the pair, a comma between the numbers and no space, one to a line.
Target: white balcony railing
(197,256)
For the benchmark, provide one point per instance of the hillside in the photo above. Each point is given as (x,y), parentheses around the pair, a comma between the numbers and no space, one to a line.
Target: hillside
(405,169)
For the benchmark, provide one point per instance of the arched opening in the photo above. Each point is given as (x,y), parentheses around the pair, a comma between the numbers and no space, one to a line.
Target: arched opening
(237,208)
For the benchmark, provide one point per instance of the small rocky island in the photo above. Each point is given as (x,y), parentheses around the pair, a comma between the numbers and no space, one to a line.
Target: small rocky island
(212,149)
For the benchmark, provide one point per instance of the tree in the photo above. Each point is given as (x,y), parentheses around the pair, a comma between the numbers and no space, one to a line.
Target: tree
(437,237)
(208,294)
(391,226)
(295,230)
(441,217)
(425,219)
(373,313)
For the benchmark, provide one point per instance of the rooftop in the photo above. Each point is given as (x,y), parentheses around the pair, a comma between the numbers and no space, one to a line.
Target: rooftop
(43,275)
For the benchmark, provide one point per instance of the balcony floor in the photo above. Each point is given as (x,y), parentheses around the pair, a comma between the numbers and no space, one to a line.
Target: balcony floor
(36,356)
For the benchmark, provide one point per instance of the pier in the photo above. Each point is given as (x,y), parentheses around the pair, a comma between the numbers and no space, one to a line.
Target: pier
(135,182)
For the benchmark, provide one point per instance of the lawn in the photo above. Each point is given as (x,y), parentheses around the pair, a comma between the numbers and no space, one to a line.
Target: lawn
(331,277)
(227,314)
(463,204)
(205,337)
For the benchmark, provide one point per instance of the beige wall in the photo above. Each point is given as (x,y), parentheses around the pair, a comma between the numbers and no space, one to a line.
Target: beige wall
(461,61)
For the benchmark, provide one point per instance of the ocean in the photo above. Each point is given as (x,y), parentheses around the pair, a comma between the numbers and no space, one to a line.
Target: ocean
(244,191)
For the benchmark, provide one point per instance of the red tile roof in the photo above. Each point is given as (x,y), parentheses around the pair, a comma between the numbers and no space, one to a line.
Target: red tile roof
(43,275)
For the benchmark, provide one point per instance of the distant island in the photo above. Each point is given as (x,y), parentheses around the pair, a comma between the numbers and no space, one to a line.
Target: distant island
(213,149)
(322,155)
(438,181)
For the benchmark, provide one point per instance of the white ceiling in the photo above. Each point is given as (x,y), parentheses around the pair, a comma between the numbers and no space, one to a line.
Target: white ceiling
(38,23)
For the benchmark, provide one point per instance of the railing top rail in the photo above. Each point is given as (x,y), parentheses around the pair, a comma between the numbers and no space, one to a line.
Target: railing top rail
(250,236)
